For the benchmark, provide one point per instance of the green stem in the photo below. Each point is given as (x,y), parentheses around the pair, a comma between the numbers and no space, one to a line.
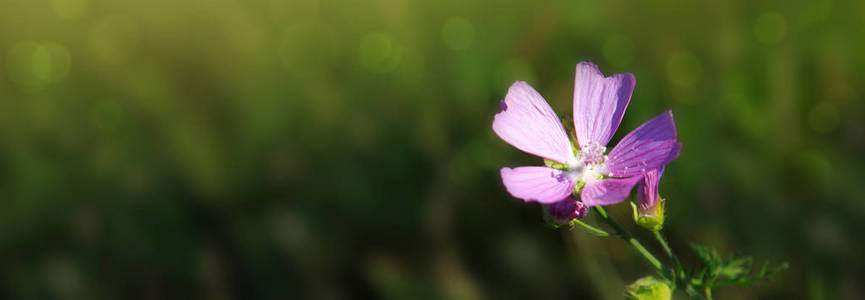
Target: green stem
(680,273)
(693,292)
(625,235)
(708,293)
(594,230)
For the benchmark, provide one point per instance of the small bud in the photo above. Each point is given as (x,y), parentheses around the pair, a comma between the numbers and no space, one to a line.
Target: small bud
(651,219)
(650,213)
(566,210)
(649,288)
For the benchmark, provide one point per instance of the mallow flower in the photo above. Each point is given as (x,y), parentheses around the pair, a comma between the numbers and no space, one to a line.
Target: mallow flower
(586,169)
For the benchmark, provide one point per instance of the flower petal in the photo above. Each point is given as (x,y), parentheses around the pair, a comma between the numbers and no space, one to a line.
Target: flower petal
(650,146)
(608,191)
(648,196)
(528,123)
(599,103)
(541,184)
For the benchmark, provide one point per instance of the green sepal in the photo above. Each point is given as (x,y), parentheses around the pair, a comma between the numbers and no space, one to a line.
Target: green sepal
(579,187)
(555,165)
(652,219)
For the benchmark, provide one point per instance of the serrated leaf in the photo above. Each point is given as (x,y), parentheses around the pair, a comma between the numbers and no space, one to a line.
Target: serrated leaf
(736,267)
(711,261)
(708,255)
(746,279)
(783,266)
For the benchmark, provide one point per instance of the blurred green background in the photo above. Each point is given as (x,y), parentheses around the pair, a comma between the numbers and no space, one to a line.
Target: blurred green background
(224,149)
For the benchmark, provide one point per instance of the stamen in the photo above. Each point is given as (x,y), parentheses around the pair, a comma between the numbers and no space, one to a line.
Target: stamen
(592,153)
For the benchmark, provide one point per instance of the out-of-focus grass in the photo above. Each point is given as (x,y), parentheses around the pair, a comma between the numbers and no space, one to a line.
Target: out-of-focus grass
(240,149)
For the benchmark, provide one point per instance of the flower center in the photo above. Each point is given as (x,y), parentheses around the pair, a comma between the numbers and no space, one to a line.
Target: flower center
(593,153)
(590,166)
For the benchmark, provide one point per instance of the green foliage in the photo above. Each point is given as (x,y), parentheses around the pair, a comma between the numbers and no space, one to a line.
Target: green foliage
(716,272)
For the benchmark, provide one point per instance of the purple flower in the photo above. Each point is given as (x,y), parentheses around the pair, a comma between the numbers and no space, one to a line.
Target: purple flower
(528,123)
(566,210)
(648,196)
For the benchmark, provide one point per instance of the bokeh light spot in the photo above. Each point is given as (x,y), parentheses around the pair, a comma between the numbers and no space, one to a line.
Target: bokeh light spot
(458,33)
(113,38)
(34,65)
(770,28)
(40,62)
(619,50)
(684,69)
(824,117)
(69,9)
(379,53)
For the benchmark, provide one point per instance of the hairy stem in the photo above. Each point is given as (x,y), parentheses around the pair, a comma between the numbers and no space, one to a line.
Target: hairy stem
(680,273)
(626,236)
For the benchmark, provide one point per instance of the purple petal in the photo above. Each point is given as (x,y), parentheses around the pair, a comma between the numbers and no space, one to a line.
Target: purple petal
(528,123)
(540,184)
(599,103)
(566,210)
(650,146)
(608,191)
(648,196)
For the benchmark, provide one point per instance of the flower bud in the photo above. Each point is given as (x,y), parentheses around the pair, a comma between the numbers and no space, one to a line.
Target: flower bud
(650,213)
(568,209)
(649,288)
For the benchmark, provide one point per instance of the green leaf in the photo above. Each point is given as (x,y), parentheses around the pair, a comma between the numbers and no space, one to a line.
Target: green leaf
(708,255)
(736,267)
(716,272)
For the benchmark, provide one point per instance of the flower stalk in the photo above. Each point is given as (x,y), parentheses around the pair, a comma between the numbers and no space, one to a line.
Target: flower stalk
(627,237)
(593,230)
(679,272)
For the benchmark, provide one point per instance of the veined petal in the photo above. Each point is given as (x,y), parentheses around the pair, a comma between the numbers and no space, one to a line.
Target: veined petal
(528,123)
(540,184)
(648,196)
(599,103)
(650,146)
(608,191)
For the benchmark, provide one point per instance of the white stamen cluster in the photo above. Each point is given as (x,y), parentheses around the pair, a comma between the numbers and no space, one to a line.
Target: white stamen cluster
(591,164)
